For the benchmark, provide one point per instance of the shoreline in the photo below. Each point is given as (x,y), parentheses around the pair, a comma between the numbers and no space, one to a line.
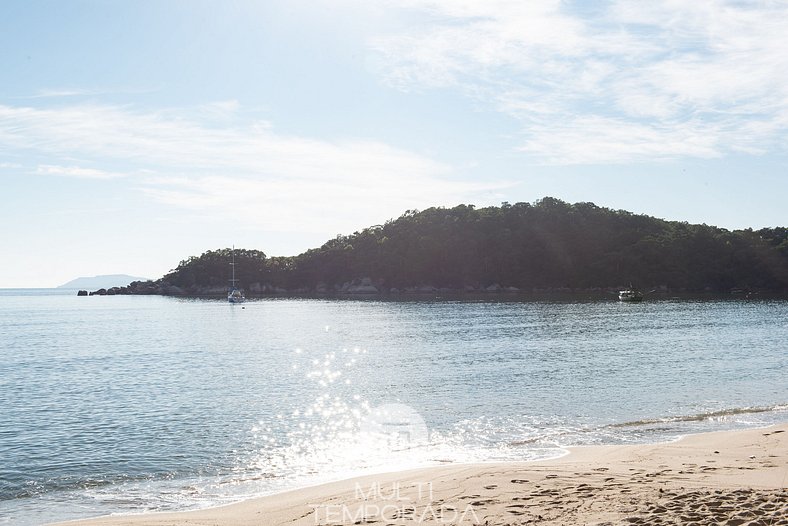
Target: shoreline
(738,477)
(454,295)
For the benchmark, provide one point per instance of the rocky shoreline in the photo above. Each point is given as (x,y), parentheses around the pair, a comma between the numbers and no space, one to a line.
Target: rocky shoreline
(369,287)
(360,286)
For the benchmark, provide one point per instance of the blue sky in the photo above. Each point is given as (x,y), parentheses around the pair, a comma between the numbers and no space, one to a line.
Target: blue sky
(136,134)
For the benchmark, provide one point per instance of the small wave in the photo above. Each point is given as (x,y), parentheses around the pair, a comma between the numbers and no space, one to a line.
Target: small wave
(700,417)
(550,437)
(23,489)
(668,424)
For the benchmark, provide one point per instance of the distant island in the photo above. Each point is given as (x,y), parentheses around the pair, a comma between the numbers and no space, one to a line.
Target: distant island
(103,281)
(547,246)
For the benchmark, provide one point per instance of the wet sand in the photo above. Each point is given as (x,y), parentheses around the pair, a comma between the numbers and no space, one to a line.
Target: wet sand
(731,477)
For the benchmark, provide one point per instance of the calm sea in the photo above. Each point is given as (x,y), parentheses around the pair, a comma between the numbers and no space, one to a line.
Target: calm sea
(132,404)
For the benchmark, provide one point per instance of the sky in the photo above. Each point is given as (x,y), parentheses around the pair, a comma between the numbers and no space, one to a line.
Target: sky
(136,134)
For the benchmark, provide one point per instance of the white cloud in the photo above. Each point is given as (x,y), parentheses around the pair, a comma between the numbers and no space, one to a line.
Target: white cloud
(667,79)
(593,140)
(56,93)
(168,139)
(314,204)
(222,108)
(76,171)
(248,173)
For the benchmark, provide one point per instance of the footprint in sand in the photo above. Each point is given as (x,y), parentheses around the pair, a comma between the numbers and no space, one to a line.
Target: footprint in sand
(483,502)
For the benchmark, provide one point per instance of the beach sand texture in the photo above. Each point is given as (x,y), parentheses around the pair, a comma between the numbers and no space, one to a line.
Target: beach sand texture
(731,477)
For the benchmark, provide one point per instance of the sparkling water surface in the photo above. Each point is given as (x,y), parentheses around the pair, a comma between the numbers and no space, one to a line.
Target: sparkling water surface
(129,404)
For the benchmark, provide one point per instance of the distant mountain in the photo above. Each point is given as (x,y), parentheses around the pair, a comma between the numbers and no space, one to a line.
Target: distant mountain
(101,282)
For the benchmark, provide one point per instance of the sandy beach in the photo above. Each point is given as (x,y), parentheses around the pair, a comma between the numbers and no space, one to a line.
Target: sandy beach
(732,477)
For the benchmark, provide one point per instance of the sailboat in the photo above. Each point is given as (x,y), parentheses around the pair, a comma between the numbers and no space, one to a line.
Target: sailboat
(234,295)
(631,294)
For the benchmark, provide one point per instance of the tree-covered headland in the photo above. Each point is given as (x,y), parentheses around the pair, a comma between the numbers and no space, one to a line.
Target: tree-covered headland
(547,245)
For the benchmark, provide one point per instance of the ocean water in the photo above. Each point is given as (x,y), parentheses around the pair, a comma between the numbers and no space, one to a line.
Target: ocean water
(133,404)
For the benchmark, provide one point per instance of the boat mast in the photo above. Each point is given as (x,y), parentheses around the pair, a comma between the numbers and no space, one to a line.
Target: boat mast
(233,280)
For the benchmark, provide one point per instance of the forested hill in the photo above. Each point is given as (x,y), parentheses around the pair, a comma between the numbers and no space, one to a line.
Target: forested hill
(546,245)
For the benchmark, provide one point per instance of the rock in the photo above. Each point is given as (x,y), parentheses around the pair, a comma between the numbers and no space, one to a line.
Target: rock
(142,287)
(82,293)
(361,288)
